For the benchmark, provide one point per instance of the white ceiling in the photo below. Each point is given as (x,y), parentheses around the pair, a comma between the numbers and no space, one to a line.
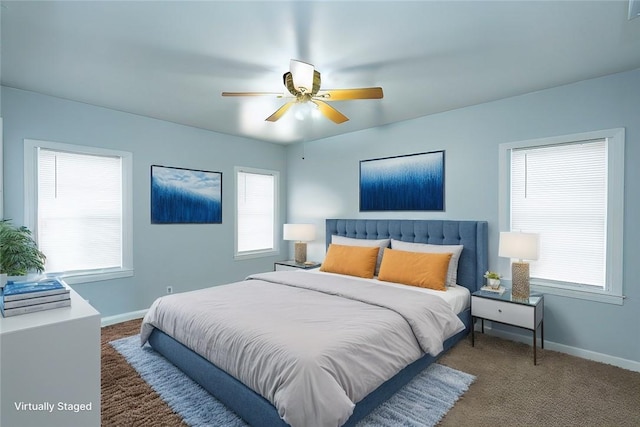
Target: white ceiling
(171,60)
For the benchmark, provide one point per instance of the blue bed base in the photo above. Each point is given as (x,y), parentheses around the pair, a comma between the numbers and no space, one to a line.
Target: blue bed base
(256,410)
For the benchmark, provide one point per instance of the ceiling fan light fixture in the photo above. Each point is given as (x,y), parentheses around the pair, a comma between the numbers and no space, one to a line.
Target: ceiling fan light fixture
(315,111)
(306,109)
(302,74)
(303,82)
(299,114)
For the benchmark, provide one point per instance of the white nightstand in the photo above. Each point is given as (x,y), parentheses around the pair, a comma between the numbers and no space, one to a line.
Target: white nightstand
(523,313)
(292,265)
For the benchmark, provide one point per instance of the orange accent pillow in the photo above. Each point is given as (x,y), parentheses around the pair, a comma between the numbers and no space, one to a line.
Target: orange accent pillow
(425,270)
(357,261)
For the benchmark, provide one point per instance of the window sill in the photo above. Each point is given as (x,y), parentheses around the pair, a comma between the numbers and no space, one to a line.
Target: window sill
(579,294)
(256,254)
(77,278)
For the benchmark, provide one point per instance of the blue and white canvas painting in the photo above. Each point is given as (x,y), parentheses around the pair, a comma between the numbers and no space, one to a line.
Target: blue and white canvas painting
(413,182)
(185,196)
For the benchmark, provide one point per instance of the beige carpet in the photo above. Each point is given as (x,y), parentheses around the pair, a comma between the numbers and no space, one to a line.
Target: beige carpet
(509,391)
(561,390)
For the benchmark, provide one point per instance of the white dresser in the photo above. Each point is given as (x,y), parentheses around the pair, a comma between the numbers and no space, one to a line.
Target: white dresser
(50,367)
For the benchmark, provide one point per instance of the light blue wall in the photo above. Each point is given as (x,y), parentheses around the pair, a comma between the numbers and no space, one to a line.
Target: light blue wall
(184,256)
(325,184)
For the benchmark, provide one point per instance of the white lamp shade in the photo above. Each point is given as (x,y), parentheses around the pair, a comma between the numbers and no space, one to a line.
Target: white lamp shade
(518,245)
(302,74)
(299,232)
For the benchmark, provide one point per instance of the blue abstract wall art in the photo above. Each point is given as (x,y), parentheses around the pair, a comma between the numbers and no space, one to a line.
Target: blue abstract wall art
(413,182)
(185,196)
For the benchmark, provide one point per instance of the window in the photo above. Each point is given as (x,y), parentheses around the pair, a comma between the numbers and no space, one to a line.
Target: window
(256,212)
(78,203)
(569,190)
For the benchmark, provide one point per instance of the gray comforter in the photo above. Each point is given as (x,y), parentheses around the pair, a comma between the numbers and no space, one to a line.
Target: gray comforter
(311,344)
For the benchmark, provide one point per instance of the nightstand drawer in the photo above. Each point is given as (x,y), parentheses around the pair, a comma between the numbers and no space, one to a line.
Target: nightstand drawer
(505,312)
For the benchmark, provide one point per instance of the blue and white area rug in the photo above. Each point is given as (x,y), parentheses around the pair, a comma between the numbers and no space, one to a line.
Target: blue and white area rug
(422,402)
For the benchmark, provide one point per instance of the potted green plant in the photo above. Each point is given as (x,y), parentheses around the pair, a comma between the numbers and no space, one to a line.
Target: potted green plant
(493,279)
(19,253)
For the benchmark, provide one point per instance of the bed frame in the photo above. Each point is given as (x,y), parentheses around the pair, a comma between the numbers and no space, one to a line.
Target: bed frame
(255,409)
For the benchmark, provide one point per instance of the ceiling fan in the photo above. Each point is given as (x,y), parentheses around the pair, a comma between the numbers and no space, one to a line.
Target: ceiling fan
(303,83)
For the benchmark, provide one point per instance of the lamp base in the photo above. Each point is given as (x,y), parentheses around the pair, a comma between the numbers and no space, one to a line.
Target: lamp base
(301,252)
(520,280)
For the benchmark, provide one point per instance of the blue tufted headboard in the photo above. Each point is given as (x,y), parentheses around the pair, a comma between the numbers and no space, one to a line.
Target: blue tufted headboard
(472,234)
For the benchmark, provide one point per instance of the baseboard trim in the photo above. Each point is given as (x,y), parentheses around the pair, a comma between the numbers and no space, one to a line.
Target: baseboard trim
(124,317)
(630,365)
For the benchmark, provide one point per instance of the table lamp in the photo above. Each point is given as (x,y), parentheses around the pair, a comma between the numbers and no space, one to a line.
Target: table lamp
(300,233)
(522,246)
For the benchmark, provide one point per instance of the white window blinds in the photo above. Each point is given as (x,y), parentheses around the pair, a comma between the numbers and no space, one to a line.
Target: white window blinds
(560,192)
(256,211)
(79,210)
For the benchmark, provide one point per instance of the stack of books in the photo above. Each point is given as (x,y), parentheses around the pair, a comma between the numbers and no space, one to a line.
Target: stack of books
(28,297)
(499,290)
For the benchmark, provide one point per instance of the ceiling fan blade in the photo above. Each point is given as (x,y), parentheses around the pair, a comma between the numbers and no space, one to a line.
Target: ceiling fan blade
(278,94)
(345,94)
(331,113)
(280,112)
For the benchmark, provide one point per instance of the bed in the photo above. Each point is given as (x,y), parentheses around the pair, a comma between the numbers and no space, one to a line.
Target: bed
(260,411)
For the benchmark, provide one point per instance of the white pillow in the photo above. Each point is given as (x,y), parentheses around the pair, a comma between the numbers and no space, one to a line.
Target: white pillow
(456,250)
(349,241)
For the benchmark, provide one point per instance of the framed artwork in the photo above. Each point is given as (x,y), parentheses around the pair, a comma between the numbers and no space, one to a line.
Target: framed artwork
(185,196)
(413,182)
